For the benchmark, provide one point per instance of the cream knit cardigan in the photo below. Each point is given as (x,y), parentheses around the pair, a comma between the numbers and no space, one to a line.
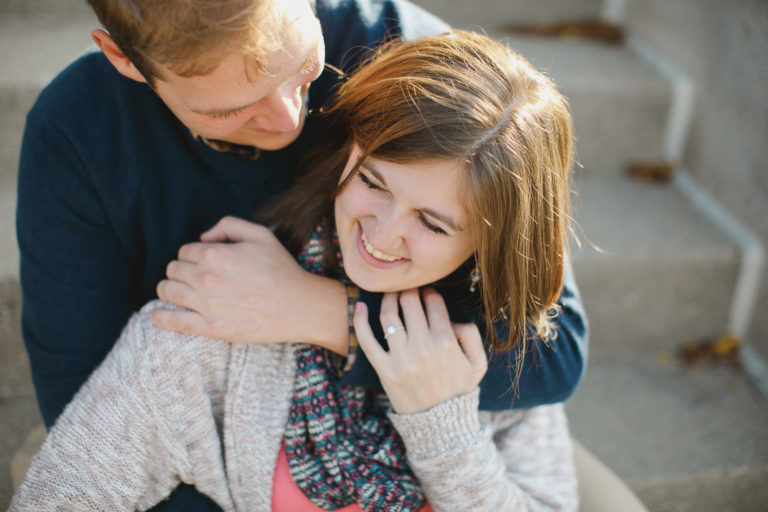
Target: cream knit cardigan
(165,408)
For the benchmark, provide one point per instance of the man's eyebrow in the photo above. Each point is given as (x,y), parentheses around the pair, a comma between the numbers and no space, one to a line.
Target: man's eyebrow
(445,219)
(310,58)
(218,111)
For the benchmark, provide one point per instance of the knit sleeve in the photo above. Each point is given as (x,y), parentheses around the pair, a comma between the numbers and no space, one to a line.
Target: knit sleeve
(517,460)
(113,447)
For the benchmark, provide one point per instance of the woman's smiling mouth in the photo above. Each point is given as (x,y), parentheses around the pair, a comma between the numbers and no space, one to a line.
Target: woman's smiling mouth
(375,253)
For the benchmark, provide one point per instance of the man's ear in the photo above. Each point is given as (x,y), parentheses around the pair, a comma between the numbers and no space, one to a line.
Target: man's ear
(118,59)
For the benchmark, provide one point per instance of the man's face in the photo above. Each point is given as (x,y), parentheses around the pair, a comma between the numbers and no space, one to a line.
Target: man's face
(265,110)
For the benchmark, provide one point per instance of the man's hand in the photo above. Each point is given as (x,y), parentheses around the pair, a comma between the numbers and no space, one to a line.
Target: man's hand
(250,291)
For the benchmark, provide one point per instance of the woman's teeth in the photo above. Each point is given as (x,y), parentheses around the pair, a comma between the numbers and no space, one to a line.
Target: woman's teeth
(375,252)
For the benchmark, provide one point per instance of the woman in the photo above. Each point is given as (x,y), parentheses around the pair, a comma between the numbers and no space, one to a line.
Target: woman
(447,163)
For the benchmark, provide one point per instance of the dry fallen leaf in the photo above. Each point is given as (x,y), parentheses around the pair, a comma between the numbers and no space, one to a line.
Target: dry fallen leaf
(651,171)
(594,30)
(724,349)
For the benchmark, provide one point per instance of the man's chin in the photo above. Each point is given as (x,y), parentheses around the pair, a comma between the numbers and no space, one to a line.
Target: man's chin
(265,141)
(268,141)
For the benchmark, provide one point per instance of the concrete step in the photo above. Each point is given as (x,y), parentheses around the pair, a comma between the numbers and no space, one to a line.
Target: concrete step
(684,438)
(619,102)
(35,48)
(19,416)
(739,490)
(493,14)
(653,272)
(66,8)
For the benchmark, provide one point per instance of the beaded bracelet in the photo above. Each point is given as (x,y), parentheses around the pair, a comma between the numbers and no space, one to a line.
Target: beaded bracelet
(339,365)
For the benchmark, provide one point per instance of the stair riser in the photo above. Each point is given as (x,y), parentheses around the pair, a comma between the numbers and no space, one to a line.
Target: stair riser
(617,127)
(14,364)
(492,14)
(15,102)
(63,7)
(645,306)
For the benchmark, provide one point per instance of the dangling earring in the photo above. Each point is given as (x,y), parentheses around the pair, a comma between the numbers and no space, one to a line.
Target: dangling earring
(474,278)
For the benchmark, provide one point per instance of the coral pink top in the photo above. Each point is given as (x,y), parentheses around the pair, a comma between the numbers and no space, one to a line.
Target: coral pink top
(287,497)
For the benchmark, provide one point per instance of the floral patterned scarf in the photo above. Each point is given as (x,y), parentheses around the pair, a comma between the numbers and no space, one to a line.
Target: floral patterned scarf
(340,445)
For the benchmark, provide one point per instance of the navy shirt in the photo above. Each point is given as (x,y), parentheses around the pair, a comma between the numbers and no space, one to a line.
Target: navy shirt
(111,184)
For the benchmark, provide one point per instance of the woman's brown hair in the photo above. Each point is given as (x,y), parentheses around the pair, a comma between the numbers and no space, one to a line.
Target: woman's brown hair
(461,96)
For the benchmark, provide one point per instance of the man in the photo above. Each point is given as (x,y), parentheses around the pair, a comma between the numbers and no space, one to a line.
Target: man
(192,112)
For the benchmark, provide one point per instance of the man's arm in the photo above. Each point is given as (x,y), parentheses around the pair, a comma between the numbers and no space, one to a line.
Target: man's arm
(76,279)
(241,285)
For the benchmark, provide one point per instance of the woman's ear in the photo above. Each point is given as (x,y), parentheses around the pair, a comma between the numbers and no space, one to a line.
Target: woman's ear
(118,59)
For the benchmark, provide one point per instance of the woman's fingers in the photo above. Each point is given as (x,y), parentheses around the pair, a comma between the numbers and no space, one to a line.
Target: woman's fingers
(413,313)
(373,351)
(437,312)
(394,330)
(472,344)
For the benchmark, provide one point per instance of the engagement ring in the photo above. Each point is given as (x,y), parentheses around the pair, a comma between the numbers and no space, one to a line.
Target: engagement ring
(392,329)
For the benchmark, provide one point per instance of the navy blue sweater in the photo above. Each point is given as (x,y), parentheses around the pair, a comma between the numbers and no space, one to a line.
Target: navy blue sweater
(111,184)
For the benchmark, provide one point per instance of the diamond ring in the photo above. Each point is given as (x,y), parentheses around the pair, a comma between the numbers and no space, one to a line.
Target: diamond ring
(392,329)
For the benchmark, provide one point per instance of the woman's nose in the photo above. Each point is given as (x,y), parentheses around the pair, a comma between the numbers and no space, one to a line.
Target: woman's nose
(389,233)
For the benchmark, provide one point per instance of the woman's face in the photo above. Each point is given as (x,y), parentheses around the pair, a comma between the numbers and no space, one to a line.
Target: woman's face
(402,226)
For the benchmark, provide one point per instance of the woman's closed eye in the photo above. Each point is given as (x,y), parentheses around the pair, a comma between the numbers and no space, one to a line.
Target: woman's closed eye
(368,183)
(422,218)
(430,226)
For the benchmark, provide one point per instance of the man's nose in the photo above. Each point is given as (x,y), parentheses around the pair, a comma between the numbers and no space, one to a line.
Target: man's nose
(283,109)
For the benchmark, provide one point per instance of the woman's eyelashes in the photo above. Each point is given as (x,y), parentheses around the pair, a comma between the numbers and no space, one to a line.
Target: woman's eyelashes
(424,222)
(431,227)
(368,183)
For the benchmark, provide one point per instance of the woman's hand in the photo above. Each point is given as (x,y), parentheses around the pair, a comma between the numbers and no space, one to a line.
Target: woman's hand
(428,362)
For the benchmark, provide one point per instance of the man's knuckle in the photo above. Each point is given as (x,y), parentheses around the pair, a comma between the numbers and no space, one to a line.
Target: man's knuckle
(212,253)
(208,280)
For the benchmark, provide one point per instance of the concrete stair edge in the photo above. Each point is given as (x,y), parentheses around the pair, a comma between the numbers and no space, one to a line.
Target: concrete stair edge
(493,13)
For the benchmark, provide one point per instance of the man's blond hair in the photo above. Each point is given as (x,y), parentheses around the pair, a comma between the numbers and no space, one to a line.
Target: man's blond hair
(190,37)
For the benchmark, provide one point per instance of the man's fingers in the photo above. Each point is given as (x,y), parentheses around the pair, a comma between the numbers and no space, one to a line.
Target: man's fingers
(182,271)
(191,252)
(373,351)
(182,321)
(177,293)
(233,229)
